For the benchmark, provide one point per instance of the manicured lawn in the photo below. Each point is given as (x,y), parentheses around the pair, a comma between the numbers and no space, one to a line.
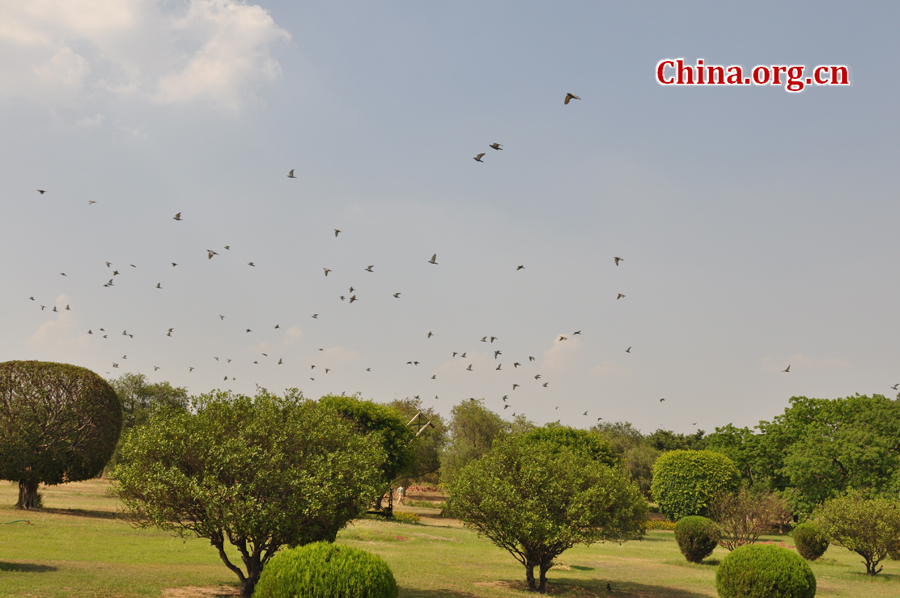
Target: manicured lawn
(78,547)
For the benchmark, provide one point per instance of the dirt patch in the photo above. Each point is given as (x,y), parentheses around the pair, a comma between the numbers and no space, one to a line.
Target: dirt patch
(201,592)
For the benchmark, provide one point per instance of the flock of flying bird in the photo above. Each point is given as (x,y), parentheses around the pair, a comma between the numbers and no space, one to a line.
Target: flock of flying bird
(351,297)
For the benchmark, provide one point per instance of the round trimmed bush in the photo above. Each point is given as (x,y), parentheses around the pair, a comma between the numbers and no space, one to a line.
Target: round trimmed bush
(764,571)
(697,537)
(685,482)
(811,542)
(325,570)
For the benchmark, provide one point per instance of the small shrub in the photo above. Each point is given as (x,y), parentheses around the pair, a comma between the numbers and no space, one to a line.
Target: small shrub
(764,571)
(697,537)
(406,517)
(685,482)
(811,542)
(324,570)
(745,515)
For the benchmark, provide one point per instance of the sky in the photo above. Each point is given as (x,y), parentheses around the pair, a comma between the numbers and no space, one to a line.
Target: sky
(758,228)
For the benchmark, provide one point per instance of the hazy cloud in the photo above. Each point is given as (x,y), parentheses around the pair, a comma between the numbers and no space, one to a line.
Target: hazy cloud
(65,53)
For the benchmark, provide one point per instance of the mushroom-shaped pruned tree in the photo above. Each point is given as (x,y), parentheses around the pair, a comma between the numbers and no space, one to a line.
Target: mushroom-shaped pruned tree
(58,423)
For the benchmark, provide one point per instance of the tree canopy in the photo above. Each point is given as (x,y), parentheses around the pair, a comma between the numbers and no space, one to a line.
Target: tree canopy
(427,447)
(58,423)
(536,498)
(260,473)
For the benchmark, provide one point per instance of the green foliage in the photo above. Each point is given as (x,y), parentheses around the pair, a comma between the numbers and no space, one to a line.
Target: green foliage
(427,447)
(666,440)
(58,423)
(635,451)
(810,541)
(140,399)
(764,571)
(537,498)
(325,570)
(697,537)
(684,482)
(260,472)
(870,527)
(741,445)
(590,444)
(473,428)
(386,423)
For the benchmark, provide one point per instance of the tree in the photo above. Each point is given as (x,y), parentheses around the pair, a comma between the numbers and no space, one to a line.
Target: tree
(261,473)
(635,450)
(666,440)
(536,498)
(382,422)
(426,461)
(870,527)
(684,482)
(741,445)
(745,515)
(473,428)
(58,423)
(140,399)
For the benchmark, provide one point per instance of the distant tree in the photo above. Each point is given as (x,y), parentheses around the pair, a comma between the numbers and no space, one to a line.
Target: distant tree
(382,422)
(868,527)
(685,482)
(635,450)
(58,423)
(845,444)
(536,498)
(742,446)
(140,399)
(426,461)
(261,473)
(666,440)
(590,444)
(473,428)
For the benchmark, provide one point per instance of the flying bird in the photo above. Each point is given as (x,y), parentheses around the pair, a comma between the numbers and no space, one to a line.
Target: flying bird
(479,157)
(530,358)
(327,270)
(787,369)
(316,316)
(469,368)
(496,353)
(895,386)
(177,216)
(353,298)
(337,232)
(159,285)
(211,253)
(520,268)
(251,264)
(628,350)
(228,247)
(91,202)
(41,191)
(496,146)
(433,260)
(545,384)
(562,338)
(620,296)
(618,259)
(429,334)
(571,96)
(291,174)
(369,269)
(661,400)
(514,386)
(396,295)
(516,364)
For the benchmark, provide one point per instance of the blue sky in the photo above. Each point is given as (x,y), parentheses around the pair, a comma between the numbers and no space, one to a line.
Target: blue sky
(758,227)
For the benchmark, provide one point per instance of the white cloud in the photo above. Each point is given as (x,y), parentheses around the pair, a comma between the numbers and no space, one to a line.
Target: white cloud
(564,355)
(59,333)
(292,335)
(339,355)
(63,52)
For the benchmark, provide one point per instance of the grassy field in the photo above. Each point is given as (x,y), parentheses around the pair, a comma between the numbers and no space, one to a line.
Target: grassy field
(77,547)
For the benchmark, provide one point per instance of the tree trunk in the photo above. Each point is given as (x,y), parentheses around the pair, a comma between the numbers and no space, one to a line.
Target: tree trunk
(28,496)
(529,576)
(544,568)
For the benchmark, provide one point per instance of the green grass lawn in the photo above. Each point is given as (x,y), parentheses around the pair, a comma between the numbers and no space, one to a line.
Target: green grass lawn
(77,547)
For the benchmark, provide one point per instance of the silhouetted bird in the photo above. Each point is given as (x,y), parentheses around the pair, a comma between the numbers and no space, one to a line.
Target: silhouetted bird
(291,174)
(479,157)
(571,96)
